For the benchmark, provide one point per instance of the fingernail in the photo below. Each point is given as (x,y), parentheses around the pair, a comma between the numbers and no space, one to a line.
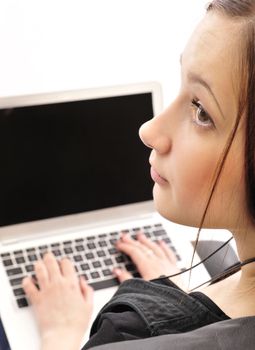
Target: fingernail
(117,272)
(25,280)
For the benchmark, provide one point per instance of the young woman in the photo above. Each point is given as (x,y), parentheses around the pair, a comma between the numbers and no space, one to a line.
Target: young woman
(203,165)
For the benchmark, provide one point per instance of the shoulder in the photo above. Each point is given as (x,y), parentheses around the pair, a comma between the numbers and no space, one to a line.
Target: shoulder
(123,324)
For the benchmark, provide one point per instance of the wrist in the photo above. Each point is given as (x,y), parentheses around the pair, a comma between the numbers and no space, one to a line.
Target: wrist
(61,341)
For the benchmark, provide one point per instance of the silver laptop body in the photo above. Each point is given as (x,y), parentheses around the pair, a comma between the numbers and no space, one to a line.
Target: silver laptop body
(48,197)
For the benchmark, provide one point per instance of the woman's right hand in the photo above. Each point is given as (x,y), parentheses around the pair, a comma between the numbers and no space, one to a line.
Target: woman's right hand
(151,259)
(62,304)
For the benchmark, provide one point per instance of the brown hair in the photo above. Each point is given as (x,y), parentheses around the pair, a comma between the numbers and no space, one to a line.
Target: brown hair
(243,11)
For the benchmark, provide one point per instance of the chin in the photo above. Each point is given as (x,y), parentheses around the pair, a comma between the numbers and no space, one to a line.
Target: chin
(174,215)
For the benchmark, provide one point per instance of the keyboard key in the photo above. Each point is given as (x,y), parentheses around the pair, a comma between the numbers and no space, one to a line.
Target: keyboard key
(113,241)
(103,235)
(90,238)
(20,260)
(22,302)
(84,267)
(112,251)
(79,240)
(29,268)
(5,255)
(7,262)
(159,233)
(130,267)
(147,234)
(18,252)
(55,245)
(135,274)
(68,250)
(110,282)
(79,248)
(32,257)
(96,264)
(16,281)
(120,259)
(91,245)
(77,258)
(114,233)
(89,256)
(15,271)
(158,225)
(43,247)
(100,253)
(30,250)
(107,272)
(108,262)
(56,252)
(178,257)
(95,274)
(102,244)
(18,292)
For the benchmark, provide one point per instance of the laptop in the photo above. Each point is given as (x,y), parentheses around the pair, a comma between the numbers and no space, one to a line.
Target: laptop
(74,175)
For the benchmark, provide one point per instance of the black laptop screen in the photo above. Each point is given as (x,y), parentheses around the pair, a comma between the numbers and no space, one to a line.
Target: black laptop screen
(65,158)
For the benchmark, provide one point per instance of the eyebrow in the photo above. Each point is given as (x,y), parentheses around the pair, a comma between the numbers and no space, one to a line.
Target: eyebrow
(195,78)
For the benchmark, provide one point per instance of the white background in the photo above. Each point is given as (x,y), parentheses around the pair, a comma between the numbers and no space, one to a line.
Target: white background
(56,45)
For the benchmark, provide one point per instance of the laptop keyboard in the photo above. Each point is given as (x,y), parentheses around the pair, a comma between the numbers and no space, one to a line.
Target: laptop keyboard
(94,257)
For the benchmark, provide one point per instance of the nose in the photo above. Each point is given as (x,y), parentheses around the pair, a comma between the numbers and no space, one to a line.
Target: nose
(155,135)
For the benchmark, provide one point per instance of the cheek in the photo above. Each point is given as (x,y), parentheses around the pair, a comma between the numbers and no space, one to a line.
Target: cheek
(190,178)
(193,177)
(230,193)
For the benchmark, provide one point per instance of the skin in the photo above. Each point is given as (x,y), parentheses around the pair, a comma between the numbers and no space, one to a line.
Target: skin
(186,145)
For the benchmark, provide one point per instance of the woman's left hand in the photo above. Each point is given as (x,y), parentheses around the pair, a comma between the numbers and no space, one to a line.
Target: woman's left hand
(151,259)
(62,304)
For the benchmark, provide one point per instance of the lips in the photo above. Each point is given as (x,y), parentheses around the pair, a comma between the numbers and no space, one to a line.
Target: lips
(157,178)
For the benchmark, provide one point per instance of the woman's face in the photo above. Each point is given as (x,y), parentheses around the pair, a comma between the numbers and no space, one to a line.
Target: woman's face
(189,137)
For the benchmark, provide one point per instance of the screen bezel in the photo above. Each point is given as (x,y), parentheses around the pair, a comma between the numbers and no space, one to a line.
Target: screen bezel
(94,93)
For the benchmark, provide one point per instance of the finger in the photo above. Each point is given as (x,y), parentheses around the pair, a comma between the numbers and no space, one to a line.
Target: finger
(30,289)
(122,275)
(136,248)
(136,253)
(52,266)
(168,251)
(68,269)
(150,244)
(135,244)
(87,291)
(41,274)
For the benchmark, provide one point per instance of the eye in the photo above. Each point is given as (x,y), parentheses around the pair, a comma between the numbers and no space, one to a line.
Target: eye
(200,116)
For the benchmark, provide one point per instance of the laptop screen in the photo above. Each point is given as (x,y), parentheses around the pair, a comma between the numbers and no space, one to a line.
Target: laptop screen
(71,157)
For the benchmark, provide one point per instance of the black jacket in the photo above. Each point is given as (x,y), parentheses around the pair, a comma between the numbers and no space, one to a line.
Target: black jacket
(141,309)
